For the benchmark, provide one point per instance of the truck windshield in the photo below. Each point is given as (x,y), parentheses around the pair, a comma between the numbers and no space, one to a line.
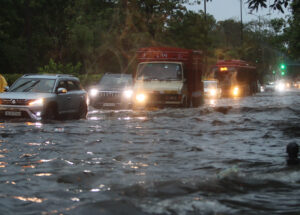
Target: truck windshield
(210,84)
(159,71)
(227,77)
(33,85)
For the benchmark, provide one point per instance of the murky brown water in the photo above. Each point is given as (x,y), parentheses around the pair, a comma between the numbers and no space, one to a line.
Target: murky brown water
(222,158)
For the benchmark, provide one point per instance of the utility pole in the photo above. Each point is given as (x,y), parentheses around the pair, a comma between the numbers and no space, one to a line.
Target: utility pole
(241,8)
(205,39)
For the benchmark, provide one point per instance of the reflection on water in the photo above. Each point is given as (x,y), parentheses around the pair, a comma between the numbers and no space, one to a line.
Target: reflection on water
(226,157)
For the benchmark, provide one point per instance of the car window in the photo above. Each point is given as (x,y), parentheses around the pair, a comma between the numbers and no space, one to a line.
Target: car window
(62,84)
(72,85)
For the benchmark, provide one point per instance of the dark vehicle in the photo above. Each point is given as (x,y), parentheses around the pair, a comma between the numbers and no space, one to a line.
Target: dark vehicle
(39,97)
(236,78)
(112,91)
(168,76)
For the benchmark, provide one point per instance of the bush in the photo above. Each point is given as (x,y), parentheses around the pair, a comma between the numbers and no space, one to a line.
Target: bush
(11,78)
(88,80)
(59,68)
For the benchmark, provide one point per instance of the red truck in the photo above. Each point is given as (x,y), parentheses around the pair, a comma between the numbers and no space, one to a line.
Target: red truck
(168,76)
(235,78)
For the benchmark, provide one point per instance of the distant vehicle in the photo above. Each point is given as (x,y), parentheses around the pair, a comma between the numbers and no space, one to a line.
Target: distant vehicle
(278,86)
(112,91)
(236,78)
(260,87)
(168,76)
(39,97)
(211,89)
(269,87)
(296,84)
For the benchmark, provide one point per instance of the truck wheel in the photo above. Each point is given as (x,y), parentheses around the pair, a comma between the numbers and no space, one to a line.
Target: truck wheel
(196,101)
(184,103)
(51,112)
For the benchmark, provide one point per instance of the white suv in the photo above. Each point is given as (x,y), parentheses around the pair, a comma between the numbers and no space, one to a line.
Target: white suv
(44,97)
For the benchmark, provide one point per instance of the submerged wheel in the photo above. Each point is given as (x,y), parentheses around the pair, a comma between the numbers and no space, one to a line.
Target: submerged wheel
(82,111)
(184,103)
(51,112)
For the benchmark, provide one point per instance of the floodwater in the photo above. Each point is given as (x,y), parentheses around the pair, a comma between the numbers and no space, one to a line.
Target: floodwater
(226,157)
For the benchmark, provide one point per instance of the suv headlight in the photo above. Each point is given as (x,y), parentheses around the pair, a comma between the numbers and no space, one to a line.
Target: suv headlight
(127,94)
(37,102)
(93,92)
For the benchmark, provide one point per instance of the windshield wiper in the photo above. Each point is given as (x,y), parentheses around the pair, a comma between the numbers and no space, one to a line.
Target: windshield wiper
(30,87)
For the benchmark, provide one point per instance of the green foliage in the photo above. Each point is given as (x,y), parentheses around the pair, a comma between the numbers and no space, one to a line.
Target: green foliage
(59,68)
(87,37)
(11,78)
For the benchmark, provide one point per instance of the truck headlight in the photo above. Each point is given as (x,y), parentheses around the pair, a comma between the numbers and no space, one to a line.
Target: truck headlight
(212,92)
(93,92)
(127,94)
(141,97)
(37,102)
(235,91)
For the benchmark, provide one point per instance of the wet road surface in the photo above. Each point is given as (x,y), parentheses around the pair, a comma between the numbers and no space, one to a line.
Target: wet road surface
(226,157)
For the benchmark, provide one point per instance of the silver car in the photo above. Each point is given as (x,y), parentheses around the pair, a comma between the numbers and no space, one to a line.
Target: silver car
(40,97)
(112,91)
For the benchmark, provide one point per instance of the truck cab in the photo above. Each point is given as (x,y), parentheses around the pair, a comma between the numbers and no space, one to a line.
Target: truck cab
(166,77)
(160,84)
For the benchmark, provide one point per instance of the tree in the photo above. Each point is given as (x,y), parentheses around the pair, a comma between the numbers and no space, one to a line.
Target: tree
(293,31)
(277,4)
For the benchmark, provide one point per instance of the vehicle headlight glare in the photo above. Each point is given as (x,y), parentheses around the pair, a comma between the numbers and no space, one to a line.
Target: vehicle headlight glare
(141,97)
(235,91)
(93,92)
(128,94)
(280,86)
(213,92)
(38,102)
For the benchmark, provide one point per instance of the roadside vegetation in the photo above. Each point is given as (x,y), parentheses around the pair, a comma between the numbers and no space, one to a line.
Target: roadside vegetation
(90,37)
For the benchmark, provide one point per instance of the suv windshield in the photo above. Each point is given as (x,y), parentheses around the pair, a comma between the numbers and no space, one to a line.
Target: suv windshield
(114,81)
(159,71)
(33,85)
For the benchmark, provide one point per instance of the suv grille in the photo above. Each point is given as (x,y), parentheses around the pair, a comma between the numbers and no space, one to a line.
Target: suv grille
(109,94)
(14,101)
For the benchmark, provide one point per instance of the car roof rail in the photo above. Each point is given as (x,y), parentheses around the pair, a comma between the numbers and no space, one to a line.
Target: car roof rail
(29,74)
(64,75)
(57,75)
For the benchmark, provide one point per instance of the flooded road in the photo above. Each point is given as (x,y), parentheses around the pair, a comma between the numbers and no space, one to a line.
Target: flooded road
(222,158)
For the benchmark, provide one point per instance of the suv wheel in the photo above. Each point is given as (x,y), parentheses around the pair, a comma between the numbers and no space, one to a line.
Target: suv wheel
(51,112)
(82,111)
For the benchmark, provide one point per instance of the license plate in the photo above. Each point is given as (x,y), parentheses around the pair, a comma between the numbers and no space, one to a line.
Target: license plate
(109,105)
(12,113)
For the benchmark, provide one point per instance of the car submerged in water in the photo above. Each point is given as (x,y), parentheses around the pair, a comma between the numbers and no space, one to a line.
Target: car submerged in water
(113,91)
(39,97)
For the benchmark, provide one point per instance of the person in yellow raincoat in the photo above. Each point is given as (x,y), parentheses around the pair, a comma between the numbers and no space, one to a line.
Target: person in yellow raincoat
(3,83)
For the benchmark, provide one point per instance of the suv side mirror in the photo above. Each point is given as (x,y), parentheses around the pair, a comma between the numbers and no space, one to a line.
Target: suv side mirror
(61,90)
(6,88)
